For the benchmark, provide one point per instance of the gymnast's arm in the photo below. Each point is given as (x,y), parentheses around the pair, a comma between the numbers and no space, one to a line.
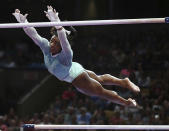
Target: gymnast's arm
(30,31)
(52,15)
(66,48)
(33,34)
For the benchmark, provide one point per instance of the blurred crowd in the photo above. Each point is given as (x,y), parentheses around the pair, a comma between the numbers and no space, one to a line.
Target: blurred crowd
(71,107)
(141,56)
(20,55)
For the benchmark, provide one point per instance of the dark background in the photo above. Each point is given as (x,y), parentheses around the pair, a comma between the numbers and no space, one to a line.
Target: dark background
(79,10)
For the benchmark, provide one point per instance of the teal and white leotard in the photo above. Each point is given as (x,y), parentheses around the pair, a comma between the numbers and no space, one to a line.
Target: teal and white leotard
(60,65)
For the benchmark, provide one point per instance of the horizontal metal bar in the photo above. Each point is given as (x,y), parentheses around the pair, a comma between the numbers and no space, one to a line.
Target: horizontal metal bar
(101,127)
(85,23)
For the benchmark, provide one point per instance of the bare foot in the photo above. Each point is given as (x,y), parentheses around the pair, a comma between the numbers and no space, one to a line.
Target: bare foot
(131,103)
(131,86)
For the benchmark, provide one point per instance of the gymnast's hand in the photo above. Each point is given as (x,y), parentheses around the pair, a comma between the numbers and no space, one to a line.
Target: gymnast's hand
(20,17)
(52,15)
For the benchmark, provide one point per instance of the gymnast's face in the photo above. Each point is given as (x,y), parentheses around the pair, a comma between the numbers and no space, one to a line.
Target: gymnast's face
(55,46)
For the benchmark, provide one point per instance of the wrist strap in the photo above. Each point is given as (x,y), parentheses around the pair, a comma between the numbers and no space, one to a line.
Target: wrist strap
(60,28)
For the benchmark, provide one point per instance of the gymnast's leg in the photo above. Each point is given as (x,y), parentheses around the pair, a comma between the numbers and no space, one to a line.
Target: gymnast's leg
(108,79)
(89,86)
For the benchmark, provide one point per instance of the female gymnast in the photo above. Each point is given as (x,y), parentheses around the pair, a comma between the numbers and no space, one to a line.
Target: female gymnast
(58,60)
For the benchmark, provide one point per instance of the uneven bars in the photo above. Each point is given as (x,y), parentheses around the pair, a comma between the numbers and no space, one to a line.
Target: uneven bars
(86,23)
(101,127)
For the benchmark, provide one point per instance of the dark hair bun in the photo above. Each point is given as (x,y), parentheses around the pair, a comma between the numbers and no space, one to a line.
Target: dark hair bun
(53,31)
(73,33)
(70,37)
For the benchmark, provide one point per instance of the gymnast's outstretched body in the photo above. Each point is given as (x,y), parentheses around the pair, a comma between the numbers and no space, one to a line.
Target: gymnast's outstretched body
(58,60)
